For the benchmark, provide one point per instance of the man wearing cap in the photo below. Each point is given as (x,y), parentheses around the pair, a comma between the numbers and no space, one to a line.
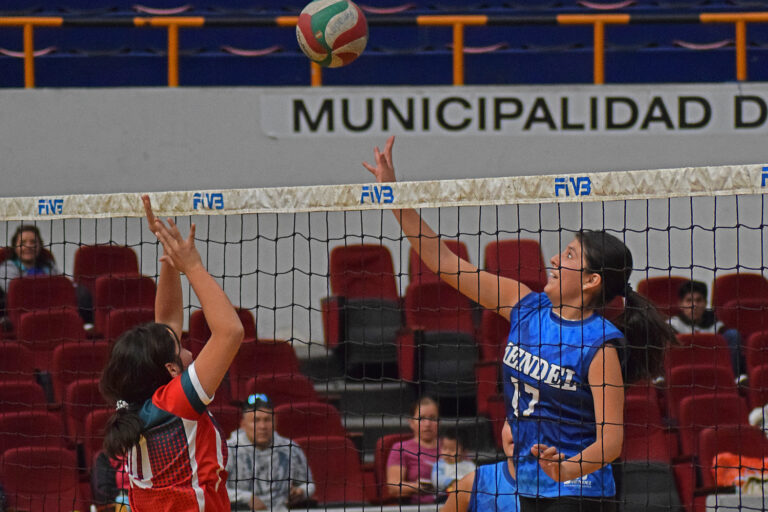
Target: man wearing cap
(266,470)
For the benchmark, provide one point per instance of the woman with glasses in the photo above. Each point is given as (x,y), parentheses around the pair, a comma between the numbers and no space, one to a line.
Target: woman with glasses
(176,455)
(266,470)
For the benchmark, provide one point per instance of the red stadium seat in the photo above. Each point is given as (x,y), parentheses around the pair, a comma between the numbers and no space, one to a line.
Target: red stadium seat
(362,318)
(702,411)
(227,416)
(126,291)
(494,332)
(363,271)
(746,315)
(282,388)
(308,418)
(42,331)
(38,293)
(21,395)
(437,306)
(663,292)
(40,479)
(758,386)
(31,428)
(335,465)
(645,438)
(519,259)
(94,261)
(698,349)
(488,378)
(756,349)
(74,361)
(738,439)
(695,380)
(17,362)
(419,273)
(443,350)
(80,398)
(734,287)
(93,431)
(120,320)
(380,456)
(200,333)
(261,358)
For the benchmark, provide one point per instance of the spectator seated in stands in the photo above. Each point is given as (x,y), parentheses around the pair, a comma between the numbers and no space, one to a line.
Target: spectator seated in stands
(452,465)
(410,462)
(266,471)
(695,317)
(109,483)
(25,257)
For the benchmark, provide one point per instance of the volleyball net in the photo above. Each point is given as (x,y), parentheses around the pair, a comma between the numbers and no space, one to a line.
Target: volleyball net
(346,328)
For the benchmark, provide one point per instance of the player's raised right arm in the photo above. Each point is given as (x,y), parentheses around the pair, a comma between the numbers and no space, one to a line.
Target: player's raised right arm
(226,329)
(490,291)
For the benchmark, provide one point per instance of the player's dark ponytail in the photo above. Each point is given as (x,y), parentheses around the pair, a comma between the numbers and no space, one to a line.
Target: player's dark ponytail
(135,370)
(646,333)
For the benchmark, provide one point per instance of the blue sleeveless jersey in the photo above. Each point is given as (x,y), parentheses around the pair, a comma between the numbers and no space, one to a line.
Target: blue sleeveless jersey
(494,489)
(546,368)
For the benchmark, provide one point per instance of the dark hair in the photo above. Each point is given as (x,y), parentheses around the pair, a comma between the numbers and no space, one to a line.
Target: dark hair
(454,434)
(424,400)
(690,287)
(135,370)
(646,333)
(44,258)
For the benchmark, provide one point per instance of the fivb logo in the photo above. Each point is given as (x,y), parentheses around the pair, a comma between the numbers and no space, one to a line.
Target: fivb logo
(213,201)
(50,206)
(580,186)
(377,194)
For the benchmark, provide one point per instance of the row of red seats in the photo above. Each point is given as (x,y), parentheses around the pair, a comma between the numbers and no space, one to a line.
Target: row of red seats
(317,427)
(46,478)
(117,298)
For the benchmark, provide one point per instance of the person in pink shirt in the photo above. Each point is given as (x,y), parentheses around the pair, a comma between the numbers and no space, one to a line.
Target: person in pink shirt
(409,465)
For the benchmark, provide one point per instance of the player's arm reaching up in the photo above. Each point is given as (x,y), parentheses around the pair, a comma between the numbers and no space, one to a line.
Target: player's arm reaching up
(489,290)
(181,255)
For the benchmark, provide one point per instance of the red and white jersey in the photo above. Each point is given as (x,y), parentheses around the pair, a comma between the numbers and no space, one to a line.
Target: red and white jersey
(179,462)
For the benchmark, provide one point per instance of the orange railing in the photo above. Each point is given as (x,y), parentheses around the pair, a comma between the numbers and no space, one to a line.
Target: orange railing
(598,21)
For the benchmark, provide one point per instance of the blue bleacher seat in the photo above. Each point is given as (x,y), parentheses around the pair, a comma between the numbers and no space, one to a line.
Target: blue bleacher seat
(506,66)
(666,34)
(543,36)
(101,38)
(409,38)
(213,38)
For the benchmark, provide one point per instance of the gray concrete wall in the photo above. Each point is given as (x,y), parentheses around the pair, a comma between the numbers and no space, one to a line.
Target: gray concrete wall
(73,141)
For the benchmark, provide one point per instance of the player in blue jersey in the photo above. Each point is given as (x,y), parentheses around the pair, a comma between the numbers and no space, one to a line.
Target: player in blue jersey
(175,452)
(564,365)
(491,487)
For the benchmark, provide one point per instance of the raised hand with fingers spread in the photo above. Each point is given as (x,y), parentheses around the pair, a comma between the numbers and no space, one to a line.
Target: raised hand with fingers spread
(384,171)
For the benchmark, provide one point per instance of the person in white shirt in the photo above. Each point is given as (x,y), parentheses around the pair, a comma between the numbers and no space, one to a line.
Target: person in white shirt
(452,465)
(695,317)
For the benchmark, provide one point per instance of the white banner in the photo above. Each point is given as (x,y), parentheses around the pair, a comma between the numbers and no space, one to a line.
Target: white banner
(520,111)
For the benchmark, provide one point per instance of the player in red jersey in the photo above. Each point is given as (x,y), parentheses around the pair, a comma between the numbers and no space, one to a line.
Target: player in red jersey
(175,452)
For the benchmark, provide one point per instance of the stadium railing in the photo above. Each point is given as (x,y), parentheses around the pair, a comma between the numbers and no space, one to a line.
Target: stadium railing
(598,22)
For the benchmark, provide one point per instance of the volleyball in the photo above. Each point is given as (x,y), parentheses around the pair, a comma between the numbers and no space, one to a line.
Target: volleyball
(332,33)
